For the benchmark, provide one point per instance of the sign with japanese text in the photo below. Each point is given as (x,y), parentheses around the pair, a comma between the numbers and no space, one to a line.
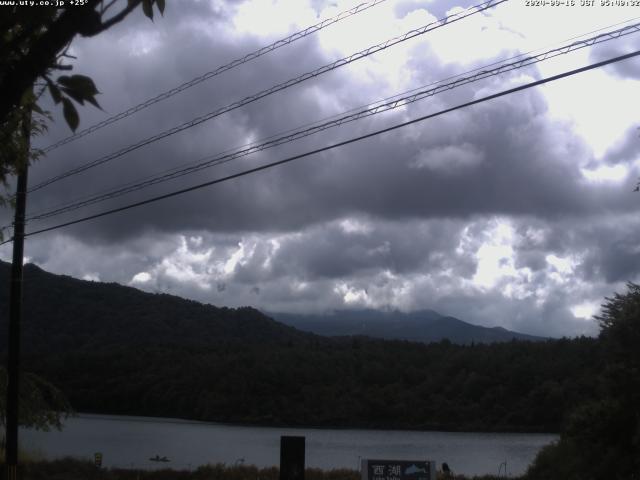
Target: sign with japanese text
(398,470)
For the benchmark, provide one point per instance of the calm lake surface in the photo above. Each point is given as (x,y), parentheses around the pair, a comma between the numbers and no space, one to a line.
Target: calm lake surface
(130,441)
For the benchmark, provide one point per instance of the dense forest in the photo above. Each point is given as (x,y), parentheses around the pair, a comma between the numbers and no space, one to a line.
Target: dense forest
(114,349)
(515,386)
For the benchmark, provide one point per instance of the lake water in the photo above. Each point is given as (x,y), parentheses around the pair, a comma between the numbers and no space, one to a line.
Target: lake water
(129,442)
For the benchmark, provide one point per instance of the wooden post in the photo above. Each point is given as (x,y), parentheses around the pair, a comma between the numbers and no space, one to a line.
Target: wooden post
(292,458)
(15,316)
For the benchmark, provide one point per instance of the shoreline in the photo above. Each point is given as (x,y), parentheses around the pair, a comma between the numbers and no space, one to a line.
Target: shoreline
(434,429)
(82,436)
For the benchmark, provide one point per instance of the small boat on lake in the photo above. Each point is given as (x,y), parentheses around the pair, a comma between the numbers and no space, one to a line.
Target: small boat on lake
(158,458)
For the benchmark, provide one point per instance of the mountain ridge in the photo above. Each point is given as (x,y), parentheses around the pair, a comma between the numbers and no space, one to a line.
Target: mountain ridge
(117,350)
(62,313)
(424,326)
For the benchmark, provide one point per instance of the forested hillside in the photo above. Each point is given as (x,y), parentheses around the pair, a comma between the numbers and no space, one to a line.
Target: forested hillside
(513,386)
(63,314)
(114,349)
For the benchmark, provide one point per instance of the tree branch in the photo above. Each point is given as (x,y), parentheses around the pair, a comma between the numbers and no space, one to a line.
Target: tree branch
(62,67)
(23,72)
(107,6)
(113,20)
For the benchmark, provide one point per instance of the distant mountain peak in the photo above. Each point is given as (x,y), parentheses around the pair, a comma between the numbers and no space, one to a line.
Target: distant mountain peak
(420,326)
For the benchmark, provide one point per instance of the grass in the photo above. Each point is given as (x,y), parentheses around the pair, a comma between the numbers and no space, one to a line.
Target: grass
(75,469)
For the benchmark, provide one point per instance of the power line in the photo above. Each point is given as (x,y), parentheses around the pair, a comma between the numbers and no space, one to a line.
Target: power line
(337,145)
(396,102)
(289,83)
(219,70)
(92,198)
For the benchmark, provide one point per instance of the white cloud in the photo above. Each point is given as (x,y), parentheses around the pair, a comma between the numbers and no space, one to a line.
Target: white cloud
(141,277)
(561,265)
(352,296)
(495,255)
(235,259)
(585,310)
(268,18)
(606,173)
(353,225)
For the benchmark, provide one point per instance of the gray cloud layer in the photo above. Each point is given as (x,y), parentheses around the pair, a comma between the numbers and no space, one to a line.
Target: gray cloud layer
(401,220)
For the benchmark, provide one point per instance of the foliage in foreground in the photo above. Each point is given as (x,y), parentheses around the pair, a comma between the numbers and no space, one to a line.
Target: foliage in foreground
(602,437)
(34,47)
(42,405)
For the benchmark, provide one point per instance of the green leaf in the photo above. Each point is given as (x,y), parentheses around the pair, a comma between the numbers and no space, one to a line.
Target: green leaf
(160,6)
(80,88)
(146,8)
(79,83)
(93,102)
(73,94)
(55,92)
(70,114)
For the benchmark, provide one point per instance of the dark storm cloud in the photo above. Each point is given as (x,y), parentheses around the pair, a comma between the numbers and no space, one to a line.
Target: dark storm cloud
(391,177)
(626,151)
(508,145)
(605,246)
(612,254)
(358,248)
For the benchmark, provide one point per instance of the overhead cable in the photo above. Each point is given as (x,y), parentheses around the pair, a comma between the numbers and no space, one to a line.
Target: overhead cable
(289,83)
(217,71)
(396,102)
(336,145)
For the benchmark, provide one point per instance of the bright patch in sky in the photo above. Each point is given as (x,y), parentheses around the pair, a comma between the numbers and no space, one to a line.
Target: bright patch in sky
(142,277)
(606,173)
(351,225)
(495,256)
(562,265)
(489,38)
(585,310)
(186,265)
(598,105)
(143,43)
(270,17)
(351,295)
(234,259)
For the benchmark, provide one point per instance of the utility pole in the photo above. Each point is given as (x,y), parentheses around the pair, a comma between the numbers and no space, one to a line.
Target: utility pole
(15,310)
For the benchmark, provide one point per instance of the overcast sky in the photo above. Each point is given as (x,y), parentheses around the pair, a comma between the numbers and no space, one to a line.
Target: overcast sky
(517,212)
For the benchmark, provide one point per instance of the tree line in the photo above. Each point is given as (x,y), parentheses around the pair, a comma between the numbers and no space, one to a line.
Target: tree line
(355,382)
